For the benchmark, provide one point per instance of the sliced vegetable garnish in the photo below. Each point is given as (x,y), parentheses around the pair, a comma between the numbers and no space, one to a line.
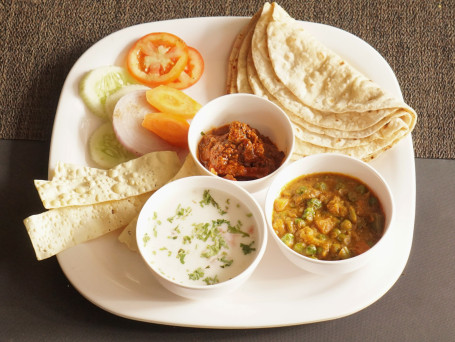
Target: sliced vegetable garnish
(170,127)
(99,83)
(112,99)
(105,149)
(127,119)
(157,58)
(173,101)
(192,72)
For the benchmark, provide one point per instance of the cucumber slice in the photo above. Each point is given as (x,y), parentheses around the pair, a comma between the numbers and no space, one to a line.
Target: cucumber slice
(99,83)
(105,150)
(113,98)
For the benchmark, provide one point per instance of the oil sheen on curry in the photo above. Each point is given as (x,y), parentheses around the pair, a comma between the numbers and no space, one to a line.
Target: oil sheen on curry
(237,151)
(328,216)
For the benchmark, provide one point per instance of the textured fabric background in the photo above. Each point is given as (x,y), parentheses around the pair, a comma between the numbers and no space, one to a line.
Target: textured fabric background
(41,40)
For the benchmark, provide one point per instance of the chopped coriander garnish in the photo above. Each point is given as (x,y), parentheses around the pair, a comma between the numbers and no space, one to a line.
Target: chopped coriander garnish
(197,274)
(174,233)
(226,262)
(218,244)
(180,213)
(236,229)
(181,255)
(208,199)
(247,249)
(211,280)
(201,231)
(146,239)
(213,250)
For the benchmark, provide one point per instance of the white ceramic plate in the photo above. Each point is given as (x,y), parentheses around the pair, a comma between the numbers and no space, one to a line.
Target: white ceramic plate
(278,294)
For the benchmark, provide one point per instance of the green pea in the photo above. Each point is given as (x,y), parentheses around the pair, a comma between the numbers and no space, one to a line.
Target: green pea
(335,248)
(352,214)
(340,186)
(344,253)
(315,203)
(361,189)
(299,247)
(344,238)
(308,214)
(288,239)
(378,223)
(321,186)
(335,232)
(300,223)
(373,201)
(321,236)
(346,225)
(310,250)
(301,190)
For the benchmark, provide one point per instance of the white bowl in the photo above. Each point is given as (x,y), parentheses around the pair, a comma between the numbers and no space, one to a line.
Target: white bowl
(269,119)
(336,163)
(173,250)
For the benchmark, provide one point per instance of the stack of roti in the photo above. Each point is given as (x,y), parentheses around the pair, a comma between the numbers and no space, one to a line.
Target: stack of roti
(333,107)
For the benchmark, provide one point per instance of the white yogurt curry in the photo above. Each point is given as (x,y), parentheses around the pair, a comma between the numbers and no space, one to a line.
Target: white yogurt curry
(202,237)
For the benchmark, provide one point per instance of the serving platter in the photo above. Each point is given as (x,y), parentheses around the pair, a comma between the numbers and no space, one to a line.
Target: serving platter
(278,294)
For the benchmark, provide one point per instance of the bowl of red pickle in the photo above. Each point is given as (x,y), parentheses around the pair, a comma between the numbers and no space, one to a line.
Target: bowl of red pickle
(242,138)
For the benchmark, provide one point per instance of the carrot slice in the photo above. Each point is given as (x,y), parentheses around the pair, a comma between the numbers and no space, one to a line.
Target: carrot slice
(172,101)
(170,127)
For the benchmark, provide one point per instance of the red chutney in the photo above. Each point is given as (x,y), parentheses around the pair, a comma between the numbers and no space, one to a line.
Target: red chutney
(238,152)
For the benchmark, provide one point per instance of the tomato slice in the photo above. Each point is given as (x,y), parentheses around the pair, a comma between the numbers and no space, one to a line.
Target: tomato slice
(169,127)
(174,101)
(192,72)
(157,58)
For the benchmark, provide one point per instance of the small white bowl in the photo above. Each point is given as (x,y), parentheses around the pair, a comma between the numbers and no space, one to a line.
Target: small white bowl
(259,113)
(335,163)
(170,237)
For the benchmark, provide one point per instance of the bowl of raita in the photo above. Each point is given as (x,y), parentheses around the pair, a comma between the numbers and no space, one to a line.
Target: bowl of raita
(201,236)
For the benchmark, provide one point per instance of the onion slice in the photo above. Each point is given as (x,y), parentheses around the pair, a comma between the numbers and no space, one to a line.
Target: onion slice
(127,119)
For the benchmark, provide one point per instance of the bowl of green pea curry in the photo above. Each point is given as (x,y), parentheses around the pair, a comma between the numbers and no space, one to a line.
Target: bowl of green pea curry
(329,213)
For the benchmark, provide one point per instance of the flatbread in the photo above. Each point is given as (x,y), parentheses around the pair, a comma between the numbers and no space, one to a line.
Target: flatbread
(332,106)
(231,84)
(56,230)
(243,85)
(128,234)
(93,202)
(73,185)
